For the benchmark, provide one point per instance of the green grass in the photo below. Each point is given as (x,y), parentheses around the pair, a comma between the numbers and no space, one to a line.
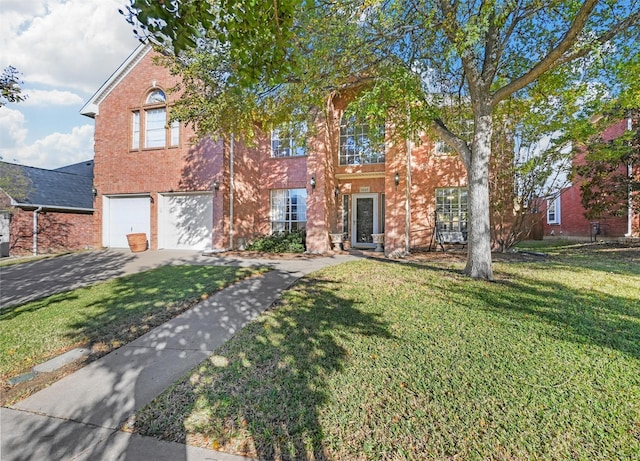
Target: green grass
(104,315)
(386,361)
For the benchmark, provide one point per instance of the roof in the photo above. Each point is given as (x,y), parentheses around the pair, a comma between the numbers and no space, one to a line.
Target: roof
(91,108)
(81,168)
(53,189)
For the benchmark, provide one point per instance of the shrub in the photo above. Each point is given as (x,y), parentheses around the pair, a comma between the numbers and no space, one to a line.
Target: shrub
(279,242)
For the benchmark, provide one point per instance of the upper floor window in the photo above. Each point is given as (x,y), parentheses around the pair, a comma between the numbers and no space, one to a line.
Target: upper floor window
(289,140)
(153,117)
(156,97)
(155,127)
(441,148)
(135,138)
(464,129)
(360,145)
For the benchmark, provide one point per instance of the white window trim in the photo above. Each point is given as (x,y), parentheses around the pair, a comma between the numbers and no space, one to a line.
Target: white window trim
(366,152)
(158,141)
(553,204)
(442,149)
(174,134)
(293,148)
(279,218)
(452,218)
(135,122)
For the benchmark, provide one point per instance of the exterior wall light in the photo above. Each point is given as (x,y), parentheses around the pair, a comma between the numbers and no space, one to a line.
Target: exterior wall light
(216,185)
(397,179)
(312,182)
(94,191)
(337,191)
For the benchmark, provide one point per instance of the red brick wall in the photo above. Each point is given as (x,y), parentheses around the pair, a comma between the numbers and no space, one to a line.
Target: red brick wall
(573,224)
(57,232)
(429,172)
(119,169)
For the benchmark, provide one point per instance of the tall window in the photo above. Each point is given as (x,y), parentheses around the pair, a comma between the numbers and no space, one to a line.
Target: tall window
(289,140)
(155,122)
(345,214)
(451,209)
(150,123)
(135,138)
(175,133)
(358,144)
(288,210)
(553,211)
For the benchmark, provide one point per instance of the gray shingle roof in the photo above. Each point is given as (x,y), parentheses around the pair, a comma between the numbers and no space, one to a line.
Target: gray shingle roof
(82,168)
(56,188)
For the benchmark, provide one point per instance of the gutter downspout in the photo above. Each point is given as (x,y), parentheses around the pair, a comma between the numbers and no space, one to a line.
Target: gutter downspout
(407,204)
(231,187)
(35,230)
(630,197)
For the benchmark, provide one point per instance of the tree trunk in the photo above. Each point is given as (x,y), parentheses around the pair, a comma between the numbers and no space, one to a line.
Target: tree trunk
(479,235)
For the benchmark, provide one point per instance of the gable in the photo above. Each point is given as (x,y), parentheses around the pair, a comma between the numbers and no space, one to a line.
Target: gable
(91,108)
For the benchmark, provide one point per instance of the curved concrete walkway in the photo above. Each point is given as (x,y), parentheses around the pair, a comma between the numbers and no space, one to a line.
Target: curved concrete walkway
(78,417)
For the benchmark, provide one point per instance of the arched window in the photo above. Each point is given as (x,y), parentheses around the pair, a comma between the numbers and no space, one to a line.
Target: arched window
(154,117)
(156,97)
(358,143)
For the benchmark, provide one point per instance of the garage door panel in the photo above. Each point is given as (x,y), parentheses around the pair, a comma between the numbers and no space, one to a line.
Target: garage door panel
(125,215)
(186,221)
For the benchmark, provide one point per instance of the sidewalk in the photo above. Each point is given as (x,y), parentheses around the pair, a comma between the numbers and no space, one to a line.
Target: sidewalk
(78,417)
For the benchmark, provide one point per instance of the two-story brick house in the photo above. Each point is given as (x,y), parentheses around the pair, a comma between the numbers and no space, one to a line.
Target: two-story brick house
(565,215)
(216,195)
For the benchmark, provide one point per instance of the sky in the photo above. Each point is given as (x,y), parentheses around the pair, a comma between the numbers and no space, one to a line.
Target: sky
(65,50)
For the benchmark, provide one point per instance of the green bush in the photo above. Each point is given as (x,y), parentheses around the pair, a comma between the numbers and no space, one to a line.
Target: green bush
(279,242)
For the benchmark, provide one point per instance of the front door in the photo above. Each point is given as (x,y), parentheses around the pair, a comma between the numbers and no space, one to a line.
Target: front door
(365,220)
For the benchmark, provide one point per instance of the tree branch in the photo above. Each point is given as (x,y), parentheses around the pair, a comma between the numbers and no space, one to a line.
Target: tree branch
(552,57)
(447,135)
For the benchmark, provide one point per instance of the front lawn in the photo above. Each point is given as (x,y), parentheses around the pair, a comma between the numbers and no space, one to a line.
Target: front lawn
(105,315)
(392,361)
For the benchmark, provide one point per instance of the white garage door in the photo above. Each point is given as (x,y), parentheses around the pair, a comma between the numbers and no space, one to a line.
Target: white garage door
(125,215)
(185,221)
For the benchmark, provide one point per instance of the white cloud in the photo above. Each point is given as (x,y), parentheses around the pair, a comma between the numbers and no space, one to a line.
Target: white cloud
(54,150)
(51,98)
(12,129)
(65,43)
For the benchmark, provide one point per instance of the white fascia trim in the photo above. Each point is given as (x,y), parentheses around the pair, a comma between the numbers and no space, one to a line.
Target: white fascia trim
(91,108)
(51,207)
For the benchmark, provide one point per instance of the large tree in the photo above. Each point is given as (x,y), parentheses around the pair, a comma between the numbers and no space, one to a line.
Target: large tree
(420,64)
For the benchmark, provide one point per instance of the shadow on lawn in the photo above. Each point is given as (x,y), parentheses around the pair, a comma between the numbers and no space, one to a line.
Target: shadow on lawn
(142,301)
(579,315)
(263,391)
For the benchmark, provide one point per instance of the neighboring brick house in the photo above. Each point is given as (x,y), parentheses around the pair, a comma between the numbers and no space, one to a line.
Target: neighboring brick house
(51,211)
(565,214)
(217,195)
